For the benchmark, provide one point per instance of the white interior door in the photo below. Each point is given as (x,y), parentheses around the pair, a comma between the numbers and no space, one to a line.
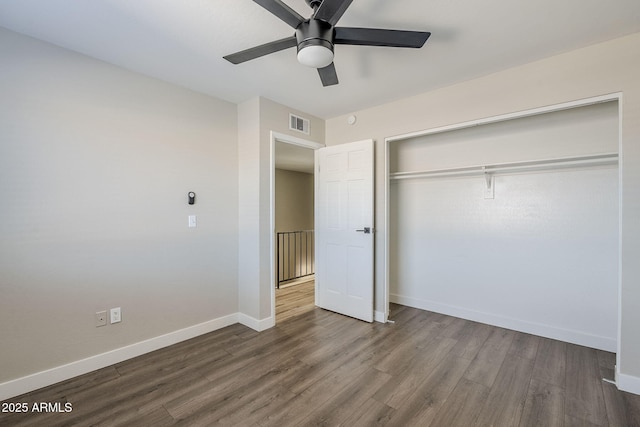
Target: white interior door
(344,229)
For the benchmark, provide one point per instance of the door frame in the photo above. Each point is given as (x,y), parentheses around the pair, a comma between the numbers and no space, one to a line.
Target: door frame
(287,139)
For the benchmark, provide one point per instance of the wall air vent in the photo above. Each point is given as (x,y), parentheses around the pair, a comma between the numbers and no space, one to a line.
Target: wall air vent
(299,124)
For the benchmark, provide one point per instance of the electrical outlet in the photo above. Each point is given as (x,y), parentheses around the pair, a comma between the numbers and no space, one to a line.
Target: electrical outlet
(115,315)
(101,318)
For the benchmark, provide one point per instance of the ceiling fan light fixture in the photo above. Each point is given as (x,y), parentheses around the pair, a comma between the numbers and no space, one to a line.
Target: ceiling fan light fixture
(316,36)
(315,53)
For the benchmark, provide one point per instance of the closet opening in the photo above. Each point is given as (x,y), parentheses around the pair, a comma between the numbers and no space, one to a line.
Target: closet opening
(512,222)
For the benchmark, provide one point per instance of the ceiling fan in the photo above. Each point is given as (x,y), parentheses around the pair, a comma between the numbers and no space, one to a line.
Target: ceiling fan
(316,36)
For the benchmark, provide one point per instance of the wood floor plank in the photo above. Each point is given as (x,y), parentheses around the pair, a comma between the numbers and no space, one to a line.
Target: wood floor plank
(485,366)
(607,363)
(145,390)
(584,398)
(606,359)
(507,397)
(456,328)
(147,382)
(408,378)
(362,350)
(340,406)
(398,360)
(471,339)
(346,336)
(293,301)
(267,342)
(317,394)
(77,385)
(525,346)
(461,407)
(182,353)
(239,377)
(257,409)
(224,403)
(144,398)
(320,368)
(423,332)
(421,407)
(623,409)
(371,413)
(544,406)
(403,315)
(550,365)
(570,421)
(156,418)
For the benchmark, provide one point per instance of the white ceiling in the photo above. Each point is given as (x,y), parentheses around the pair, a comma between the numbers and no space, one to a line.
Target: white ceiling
(183,42)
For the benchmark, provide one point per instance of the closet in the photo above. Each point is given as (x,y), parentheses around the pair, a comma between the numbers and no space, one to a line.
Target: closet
(513,223)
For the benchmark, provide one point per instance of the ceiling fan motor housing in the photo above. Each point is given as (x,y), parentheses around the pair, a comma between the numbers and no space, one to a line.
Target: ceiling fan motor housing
(315,32)
(314,4)
(315,37)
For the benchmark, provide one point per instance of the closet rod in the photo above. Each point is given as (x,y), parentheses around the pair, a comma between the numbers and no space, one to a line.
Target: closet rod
(563,162)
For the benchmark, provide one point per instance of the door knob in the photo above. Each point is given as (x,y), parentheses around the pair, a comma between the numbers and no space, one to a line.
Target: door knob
(366,230)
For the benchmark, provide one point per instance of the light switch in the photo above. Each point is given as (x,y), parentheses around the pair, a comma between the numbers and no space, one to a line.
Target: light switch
(192,221)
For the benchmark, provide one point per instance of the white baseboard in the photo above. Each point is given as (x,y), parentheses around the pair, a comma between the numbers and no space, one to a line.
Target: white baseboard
(628,383)
(255,324)
(61,373)
(548,331)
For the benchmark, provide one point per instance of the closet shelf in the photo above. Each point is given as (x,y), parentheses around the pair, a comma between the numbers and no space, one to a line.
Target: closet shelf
(530,165)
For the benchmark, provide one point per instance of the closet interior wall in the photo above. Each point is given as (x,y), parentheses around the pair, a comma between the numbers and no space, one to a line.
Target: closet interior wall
(539,252)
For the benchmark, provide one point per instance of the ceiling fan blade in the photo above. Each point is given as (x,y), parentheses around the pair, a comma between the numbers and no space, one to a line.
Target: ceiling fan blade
(328,75)
(380,37)
(282,11)
(331,10)
(258,51)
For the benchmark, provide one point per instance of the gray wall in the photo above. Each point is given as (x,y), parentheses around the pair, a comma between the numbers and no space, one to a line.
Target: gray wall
(95,166)
(95,163)
(294,200)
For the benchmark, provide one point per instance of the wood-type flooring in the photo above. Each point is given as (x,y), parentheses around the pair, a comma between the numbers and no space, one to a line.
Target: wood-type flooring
(291,301)
(317,368)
